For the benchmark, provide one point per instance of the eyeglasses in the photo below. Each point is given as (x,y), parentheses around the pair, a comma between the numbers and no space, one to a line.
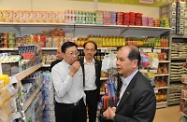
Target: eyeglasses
(91,50)
(73,53)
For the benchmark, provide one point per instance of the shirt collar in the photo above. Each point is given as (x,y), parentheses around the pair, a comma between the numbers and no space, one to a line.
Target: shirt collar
(66,64)
(93,61)
(127,80)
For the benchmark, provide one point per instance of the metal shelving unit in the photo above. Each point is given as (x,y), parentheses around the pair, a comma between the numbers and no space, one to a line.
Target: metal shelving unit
(21,29)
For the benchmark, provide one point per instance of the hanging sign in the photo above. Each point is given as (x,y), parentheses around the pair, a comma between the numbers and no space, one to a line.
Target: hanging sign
(146,1)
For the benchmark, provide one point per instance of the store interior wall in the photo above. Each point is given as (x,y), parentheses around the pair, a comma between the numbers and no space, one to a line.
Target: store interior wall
(61,5)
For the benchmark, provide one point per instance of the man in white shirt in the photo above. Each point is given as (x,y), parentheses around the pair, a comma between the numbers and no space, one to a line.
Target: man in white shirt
(68,84)
(91,78)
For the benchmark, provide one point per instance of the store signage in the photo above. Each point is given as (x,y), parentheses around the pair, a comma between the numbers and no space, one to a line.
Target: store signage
(146,1)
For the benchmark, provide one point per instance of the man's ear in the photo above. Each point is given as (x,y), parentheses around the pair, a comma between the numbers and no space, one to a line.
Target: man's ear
(135,63)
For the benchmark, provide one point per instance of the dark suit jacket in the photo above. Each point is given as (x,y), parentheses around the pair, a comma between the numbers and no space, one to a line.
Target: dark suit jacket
(97,72)
(138,103)
(54,63)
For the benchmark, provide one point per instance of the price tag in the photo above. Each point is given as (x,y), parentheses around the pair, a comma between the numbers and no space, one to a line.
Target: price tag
(157,50)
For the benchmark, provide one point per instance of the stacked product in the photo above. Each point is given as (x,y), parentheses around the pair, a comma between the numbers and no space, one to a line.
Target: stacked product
(157,22)
(185,21)
(138,19)
(132,18)
(48,94)
(151,22)
(98,17)
(7,99)
(173,17)
(113,17)
(120,18)
(7,40)
(126,18)
(107,17)
(180,17)
(174,94)
(145,21)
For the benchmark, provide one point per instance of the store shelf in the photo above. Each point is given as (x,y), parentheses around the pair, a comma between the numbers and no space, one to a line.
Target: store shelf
(35,24)
(179,36)
(157,75)
(9,49)
(166,48)
(102,93)
(49,48)
(27,72)
(164,61)
(180,59)
(32,97)
(165,87)
(161,104)
(103,78)
(46,65)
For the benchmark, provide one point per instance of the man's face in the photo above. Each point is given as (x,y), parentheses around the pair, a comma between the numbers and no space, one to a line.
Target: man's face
(89,51)
(59,54)
(71,55)
(124,65)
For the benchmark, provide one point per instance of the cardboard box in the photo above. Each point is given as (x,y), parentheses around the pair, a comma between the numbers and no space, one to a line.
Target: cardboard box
(30,16)
(49,16)
(43,16)
(55,17)
(23,16)
(16,16)
(61,17)
(36,16)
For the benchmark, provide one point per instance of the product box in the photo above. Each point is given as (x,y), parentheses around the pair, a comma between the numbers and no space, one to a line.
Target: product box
(3,16)
(36,16)
(43,16)
(16,16)
(55,15)
(62,17)
(9,15)
(30,16)
(49,16)
(23,16)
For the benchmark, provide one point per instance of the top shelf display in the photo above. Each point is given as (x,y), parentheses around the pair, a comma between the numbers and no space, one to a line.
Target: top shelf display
(93,28)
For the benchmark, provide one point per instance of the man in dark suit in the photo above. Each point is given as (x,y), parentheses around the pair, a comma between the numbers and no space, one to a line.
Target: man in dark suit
(58,56)
(91,78)
(136,99)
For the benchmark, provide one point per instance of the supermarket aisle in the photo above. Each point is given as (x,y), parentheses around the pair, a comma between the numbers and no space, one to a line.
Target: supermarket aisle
(168,114)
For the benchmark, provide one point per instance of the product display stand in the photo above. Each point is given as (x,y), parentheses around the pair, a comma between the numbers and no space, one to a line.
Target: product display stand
(22,106)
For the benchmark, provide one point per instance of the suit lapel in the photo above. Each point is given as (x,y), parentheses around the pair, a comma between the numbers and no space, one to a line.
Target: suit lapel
(127,92)
(124,97)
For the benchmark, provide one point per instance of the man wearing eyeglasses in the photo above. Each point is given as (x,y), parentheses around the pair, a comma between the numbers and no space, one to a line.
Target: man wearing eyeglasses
(91,78)
(68,84)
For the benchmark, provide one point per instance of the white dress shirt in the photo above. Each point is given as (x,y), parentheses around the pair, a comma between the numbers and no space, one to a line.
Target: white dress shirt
(90,76)
(67,89)
(125,83)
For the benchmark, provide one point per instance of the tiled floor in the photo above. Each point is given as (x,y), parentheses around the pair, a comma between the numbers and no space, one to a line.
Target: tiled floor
(168,114)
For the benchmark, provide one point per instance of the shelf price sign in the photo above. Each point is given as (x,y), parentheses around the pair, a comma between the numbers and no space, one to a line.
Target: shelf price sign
(146,1)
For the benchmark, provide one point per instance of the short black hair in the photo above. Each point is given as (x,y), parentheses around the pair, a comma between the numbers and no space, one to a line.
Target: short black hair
(84,45)
(134,53)
(67,45)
